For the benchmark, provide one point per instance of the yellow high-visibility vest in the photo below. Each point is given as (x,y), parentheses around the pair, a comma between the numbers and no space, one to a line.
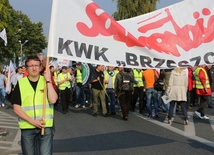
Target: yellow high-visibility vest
(66,84)
(138,77)
(56,77)
(32,103)
(197,80)
(79,76)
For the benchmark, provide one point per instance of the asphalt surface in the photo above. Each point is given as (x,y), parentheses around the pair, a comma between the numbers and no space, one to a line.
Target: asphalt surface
(78,132)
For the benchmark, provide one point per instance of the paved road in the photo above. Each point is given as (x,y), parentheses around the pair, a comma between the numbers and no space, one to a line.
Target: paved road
(77,132)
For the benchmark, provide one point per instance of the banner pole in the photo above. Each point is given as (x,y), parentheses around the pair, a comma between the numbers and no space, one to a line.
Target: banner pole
(44,97)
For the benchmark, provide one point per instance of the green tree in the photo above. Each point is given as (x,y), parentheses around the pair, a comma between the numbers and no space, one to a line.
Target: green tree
(19,28)
(131,8)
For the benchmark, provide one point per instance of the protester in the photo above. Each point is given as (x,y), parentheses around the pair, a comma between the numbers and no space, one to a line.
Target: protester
(210,73)
(80,96)
(110,76)
(98,91)
(71,72)
(64,84)
(177,92)
(191,94)
(17,76)
(166,76)
(2,89)
(27,100)
(138,90)
(124,88)
(149,77)
(203,90)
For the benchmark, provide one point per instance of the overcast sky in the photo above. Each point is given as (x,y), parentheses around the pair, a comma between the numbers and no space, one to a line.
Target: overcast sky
(40,10)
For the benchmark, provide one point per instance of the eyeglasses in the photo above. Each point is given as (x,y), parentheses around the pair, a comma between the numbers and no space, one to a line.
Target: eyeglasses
(34,66)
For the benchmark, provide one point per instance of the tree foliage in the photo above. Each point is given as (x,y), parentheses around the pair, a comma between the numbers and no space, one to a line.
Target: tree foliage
(131,8)
(19,28)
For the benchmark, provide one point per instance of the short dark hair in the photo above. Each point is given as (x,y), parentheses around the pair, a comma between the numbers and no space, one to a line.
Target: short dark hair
(35,58)
(51,67)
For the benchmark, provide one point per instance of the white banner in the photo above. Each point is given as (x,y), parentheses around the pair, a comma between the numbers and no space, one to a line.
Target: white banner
(180,35)
(3,35)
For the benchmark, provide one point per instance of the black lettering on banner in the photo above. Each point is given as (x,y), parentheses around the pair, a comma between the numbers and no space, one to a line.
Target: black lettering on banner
(131,59)
(170,63)
(100,53)
(82,48)
(62,46)
(183,64)
(210,54)
(121,63)
(197,60)
(145,61)
(160,62)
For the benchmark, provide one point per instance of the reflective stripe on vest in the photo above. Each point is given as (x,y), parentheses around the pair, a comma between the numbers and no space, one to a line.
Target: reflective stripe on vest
(65,84)
(32,103)
(138,78)
(198,82)
(79,76)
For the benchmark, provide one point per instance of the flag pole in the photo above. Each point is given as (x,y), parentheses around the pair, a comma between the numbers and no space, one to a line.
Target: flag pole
(44,97)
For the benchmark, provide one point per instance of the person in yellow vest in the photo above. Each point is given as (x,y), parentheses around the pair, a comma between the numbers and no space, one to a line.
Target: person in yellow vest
(80,96)
(109,78)
(64,84)
(138,90)
(27,100)
(203,90)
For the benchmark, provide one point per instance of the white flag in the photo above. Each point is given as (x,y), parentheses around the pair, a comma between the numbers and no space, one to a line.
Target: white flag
(3,35)
(11,73)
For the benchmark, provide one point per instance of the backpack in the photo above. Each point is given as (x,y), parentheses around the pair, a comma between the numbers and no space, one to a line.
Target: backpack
(125,83)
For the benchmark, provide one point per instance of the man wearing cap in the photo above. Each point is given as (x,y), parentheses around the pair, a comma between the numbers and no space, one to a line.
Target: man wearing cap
(64,79)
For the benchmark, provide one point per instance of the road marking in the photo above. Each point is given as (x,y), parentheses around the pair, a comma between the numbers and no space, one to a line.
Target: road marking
(178,131)
(1,119)
(3,115)
(212,122)
(190,128)
(9,123)
(9,127)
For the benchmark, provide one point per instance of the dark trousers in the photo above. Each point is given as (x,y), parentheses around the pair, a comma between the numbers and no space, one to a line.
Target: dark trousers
(138,92)
(191,97)
(65,98)
(110,97)
(125,100)
(183,107)
(204,100)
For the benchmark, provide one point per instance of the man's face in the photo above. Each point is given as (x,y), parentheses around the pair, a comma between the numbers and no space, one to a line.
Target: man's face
(20,70)
(64,71)
(102,68)
(23,69)
(79,67)
(33,68)
(111,68)
(120,68)
(52,69)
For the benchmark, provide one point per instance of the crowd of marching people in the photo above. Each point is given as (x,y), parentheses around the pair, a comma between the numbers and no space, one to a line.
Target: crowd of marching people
(110,89)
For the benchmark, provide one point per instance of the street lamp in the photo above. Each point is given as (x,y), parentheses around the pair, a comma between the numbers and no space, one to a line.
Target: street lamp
(20,42)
